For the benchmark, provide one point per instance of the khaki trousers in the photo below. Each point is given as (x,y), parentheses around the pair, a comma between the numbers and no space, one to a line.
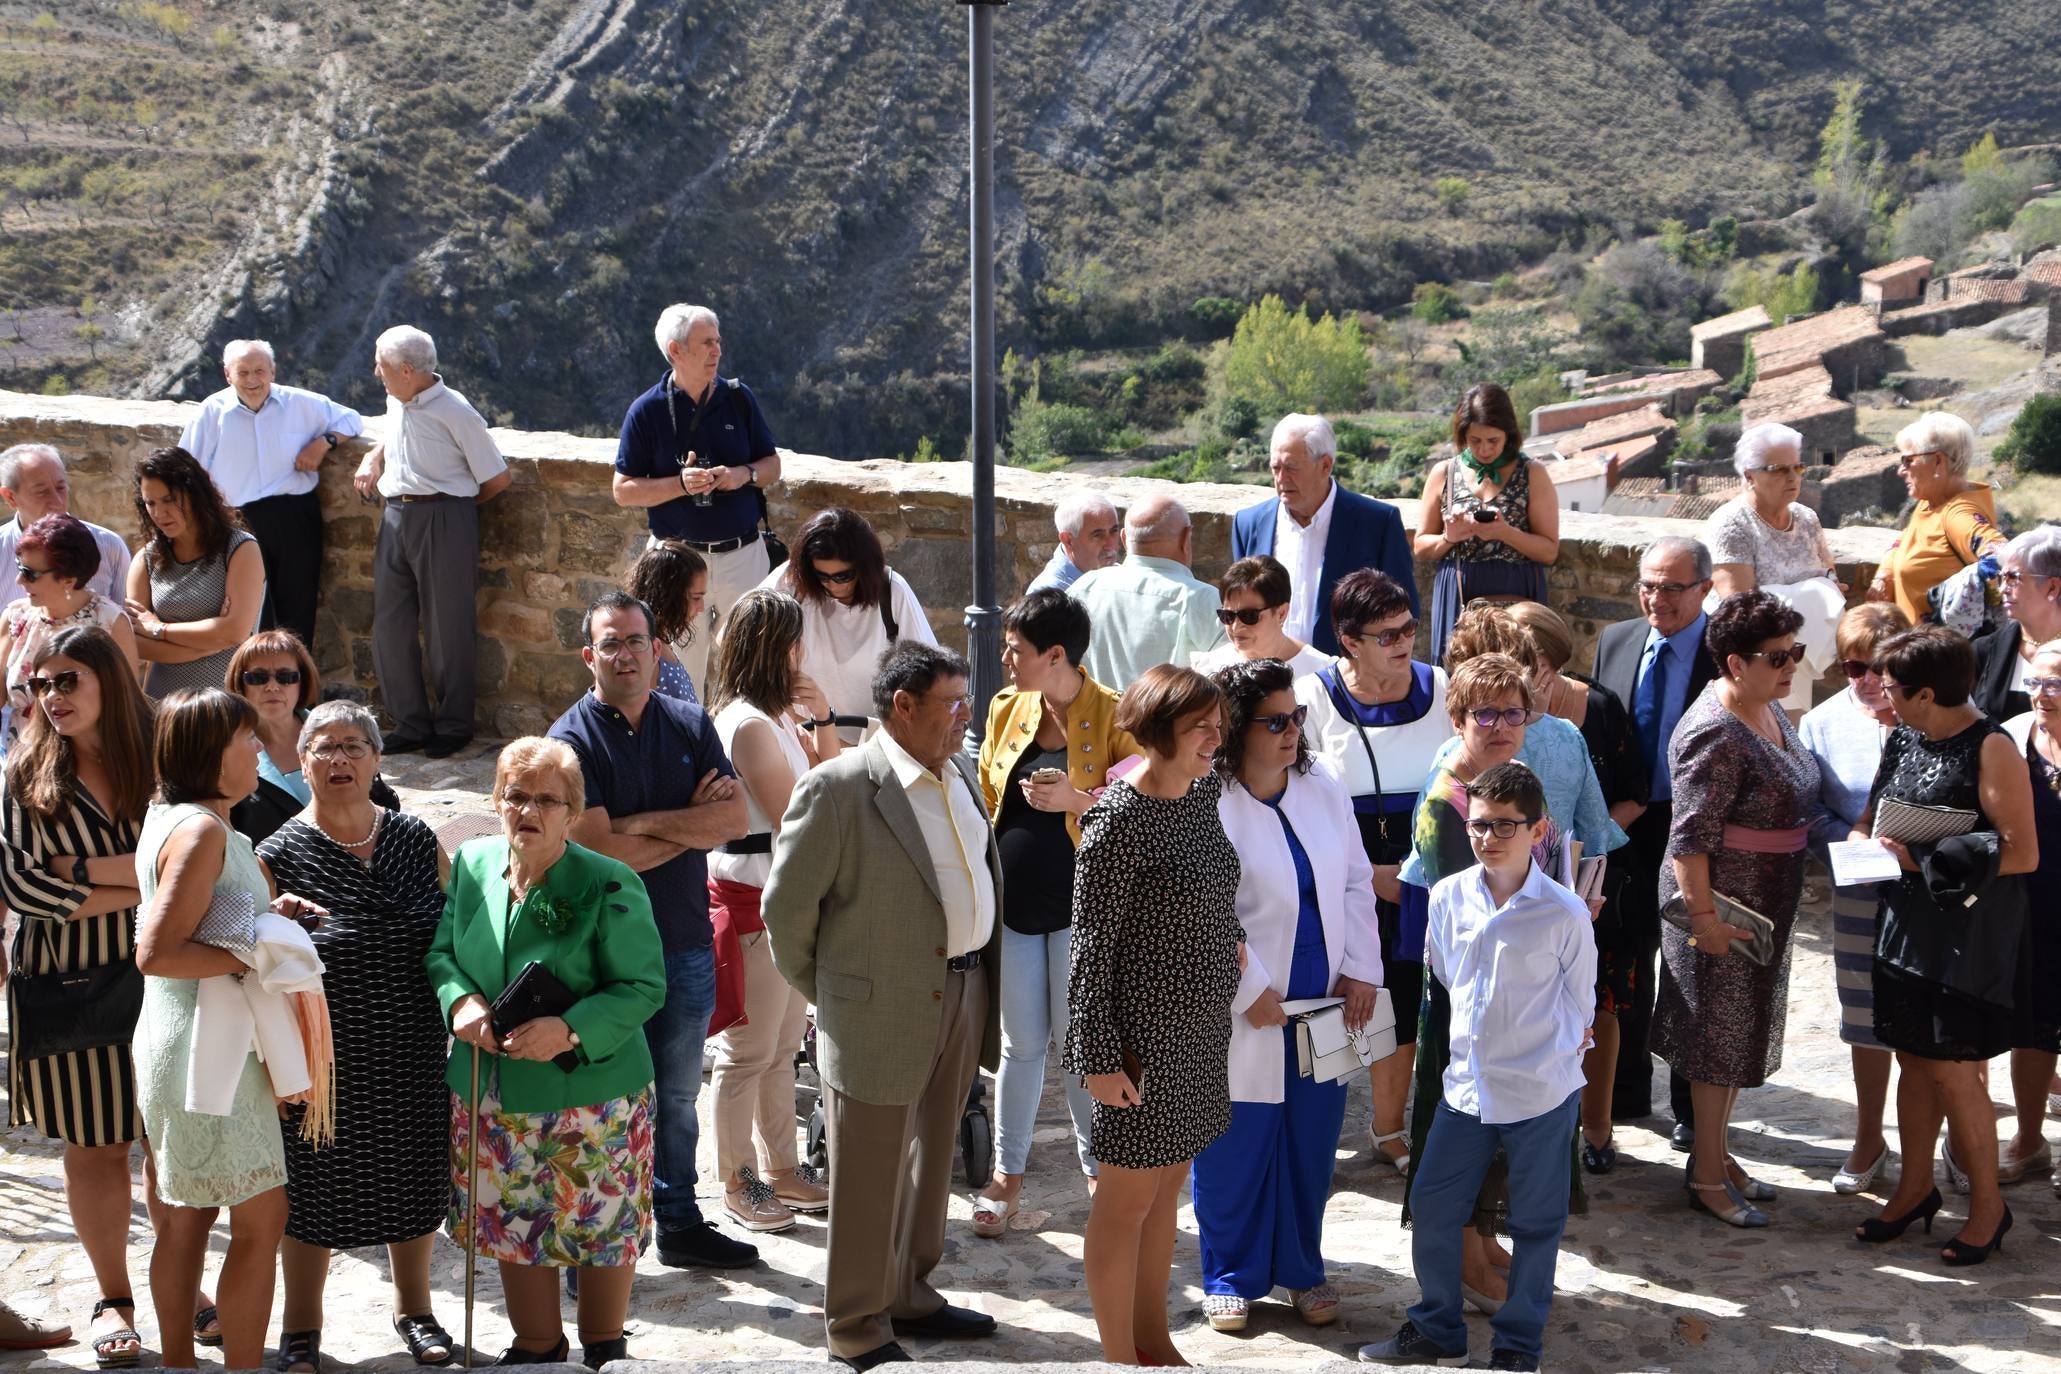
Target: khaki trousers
(890,1180)
(754,1073)
(731,574)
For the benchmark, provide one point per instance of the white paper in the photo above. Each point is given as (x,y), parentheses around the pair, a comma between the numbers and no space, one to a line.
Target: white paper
(1862,861)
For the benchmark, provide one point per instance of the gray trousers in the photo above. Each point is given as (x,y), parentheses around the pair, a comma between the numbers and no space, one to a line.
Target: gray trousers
(424,577)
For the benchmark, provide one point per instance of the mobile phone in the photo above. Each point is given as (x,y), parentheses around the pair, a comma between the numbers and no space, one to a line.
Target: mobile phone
(1485,514)
(1048,775)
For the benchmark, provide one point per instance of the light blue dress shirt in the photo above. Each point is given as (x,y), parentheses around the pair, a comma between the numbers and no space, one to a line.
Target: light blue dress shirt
(1145,611)
(1058,571)
(1682,646)
(1523,981)
(250,453)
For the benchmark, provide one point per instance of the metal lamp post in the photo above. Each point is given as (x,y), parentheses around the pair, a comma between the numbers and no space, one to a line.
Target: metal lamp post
(983,617)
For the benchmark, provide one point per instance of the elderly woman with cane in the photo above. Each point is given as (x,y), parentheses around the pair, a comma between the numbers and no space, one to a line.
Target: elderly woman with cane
(547,965)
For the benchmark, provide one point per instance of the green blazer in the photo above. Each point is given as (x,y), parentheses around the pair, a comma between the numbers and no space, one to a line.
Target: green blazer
(609,954)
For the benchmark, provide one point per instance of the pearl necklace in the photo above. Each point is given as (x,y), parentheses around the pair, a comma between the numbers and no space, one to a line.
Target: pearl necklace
(370,836)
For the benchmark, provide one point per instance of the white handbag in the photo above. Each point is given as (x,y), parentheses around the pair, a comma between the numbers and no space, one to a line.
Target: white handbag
(1325,1050)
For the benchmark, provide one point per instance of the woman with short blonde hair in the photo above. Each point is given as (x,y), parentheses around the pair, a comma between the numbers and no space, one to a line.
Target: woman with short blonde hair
(1954,524)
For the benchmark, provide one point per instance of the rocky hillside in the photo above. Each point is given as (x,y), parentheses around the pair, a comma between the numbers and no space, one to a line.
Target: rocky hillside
(533,179)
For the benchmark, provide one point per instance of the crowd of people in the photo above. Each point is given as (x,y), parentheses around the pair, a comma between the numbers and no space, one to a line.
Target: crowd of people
(1224,846)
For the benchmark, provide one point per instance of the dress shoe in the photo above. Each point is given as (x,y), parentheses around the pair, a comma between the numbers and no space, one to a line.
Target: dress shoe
(704,1247)
(598,1353)
(402,744)
(443,746)
(879,1354)
(947,1321)
(1682,1137)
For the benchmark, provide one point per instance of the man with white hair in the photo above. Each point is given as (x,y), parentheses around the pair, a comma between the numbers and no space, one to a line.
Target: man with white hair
(696,454)
(33,483)
(1150,608)
(1091,536)
(1318,530)
(264,444)
(436,466)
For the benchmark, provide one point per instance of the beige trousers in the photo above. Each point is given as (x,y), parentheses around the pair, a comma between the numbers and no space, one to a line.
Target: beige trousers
(890,1180)
(731,574)
(754,1073)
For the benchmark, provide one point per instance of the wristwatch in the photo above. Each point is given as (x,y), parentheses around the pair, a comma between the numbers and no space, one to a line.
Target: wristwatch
(79,872)
(573,1036)
(332,438)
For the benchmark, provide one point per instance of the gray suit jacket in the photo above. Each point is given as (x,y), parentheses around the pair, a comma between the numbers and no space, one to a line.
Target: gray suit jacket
(858,927)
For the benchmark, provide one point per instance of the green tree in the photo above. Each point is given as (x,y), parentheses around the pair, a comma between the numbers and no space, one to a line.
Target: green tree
(1433,302)
(1283,361)
(2034,443)
(1674,239)
(1852,175)
(1452,193)
(44,26)
(90,334)
(1981,157)
(1041,430)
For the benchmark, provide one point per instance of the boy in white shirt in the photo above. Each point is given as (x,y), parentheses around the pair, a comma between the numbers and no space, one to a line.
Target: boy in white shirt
(1514,947)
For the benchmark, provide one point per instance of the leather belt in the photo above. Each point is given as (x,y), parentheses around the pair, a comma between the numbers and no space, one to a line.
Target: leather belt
(419,500)
(759,843)
(721,545)
(961,963)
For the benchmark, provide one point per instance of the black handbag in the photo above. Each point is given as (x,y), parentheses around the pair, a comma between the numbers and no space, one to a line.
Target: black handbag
(63,1013)
(1957,923)
(535,992)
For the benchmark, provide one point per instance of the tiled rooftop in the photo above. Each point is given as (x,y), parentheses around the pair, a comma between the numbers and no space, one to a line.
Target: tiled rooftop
(1738,322)
(1804,343)
(1891,271)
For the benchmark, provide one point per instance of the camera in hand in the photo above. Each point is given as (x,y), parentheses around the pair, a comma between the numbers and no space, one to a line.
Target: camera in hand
(700,498)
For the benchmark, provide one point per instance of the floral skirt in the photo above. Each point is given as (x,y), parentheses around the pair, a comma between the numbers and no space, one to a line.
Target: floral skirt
(565,1188)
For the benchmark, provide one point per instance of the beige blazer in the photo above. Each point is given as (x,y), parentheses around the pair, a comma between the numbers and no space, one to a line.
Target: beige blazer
(858,927)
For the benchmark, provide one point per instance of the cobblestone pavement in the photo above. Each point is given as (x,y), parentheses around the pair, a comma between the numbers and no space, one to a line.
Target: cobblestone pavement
(1643,1283)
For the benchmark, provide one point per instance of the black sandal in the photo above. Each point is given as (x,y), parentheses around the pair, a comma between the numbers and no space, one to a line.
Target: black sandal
(299,1347)
(595,1354)
(515,1354)
(104,1353)
(203,1319)
(424,1333)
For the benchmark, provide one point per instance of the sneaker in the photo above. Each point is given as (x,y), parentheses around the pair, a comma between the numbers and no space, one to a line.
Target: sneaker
(753,1205)
(701,1246)
(804,1190)
(1506,1359)
(1411,1346)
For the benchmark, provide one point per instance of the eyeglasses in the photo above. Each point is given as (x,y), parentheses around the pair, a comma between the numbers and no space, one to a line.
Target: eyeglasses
(30,576)
(260,677)
(2043,686)
(1781,469)
(957,705)
(1856,670)
(64,684)
(616,648)
(2011,577)
(1248,616)
(1502,829)
(837,579)
(1776,658)
(1909,460)
(516,800)
(349,748)
(1488,717)
(1668,589)
(1277,723)
(1388,638)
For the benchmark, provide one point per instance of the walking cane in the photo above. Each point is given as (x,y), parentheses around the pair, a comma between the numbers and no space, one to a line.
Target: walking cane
(471,1200)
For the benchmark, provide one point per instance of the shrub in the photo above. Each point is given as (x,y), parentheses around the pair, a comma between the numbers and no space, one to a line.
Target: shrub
(1041,430)
(1216,316)
(1784,296)
(1355,440)
(1452,194)
(1282,361)
(1237,416)
(1434,302)
(1175,362)
(2034,443)
(2038,225)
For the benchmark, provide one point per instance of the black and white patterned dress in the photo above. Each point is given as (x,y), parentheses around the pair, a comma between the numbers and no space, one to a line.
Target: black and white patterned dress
(1155,966)
(387,1176)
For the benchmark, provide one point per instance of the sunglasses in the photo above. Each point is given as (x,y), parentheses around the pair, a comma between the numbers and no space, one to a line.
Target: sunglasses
(1488,717)
(1501,829)
(30,576)
(1908,460)
(1247,616)
(1776,658)
(264,677)
(838,578)
(1277,723)
(64,684)
(1388,638)
(1856,670)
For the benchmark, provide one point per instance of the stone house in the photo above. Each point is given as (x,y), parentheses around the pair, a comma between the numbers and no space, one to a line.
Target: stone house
(1720,344)
(1896,283)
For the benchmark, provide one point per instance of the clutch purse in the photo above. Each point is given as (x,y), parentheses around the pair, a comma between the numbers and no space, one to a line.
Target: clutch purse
(1759,946)
(535,992)
(1326,1050)
(230,922)
(1916,824)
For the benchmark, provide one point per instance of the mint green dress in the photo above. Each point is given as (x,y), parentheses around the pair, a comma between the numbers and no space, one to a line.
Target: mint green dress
(202,1161)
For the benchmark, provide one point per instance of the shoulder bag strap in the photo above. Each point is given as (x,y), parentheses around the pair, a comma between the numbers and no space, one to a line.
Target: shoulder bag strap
(1342,699)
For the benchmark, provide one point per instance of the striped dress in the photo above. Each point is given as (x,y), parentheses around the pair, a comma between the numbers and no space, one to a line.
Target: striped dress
(87,1097)
(1847,741)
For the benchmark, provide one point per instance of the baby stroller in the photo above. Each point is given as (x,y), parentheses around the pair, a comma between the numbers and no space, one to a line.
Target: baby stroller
(976,1130)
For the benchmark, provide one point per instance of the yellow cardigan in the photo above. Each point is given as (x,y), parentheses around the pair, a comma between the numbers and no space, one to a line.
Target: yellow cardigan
(1093,743)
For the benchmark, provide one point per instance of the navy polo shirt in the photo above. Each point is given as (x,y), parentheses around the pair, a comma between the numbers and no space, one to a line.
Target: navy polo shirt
(655,767)
(729,431)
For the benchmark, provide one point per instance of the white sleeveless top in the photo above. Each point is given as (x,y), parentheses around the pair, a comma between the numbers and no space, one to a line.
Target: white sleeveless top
(753,869)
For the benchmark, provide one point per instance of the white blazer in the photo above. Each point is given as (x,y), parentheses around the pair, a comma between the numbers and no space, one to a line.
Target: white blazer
(1319,808)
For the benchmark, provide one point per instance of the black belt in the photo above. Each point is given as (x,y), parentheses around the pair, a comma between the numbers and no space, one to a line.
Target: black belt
(436,496)
(721,545)
(962,963)
(761,843)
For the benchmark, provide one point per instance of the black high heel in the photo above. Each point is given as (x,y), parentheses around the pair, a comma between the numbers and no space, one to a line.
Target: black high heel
(1958,1252)
(1876,1230)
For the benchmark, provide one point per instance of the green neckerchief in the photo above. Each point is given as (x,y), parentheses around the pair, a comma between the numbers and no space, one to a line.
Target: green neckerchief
(1485,472)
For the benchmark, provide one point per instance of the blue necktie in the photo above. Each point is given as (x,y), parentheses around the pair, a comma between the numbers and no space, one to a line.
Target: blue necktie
(1649,699)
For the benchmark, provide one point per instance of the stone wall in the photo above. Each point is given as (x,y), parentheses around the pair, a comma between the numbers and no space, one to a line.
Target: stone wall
(555,539)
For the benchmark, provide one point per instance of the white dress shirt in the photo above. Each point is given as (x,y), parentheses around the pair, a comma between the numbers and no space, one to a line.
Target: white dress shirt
(1522,977)
(842,645)
(955,831)
(111,581)
(1306,661)
(437,445)
(250,453)
(1300,549)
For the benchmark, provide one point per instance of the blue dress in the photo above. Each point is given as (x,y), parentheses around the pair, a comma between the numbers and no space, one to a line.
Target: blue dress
(1260,1187)
(673,681)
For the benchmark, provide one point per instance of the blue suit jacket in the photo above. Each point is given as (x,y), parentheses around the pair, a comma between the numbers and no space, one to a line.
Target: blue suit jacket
(1365,533)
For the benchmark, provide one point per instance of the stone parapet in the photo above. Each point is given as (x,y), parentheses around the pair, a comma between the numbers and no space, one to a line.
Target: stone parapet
(556,539)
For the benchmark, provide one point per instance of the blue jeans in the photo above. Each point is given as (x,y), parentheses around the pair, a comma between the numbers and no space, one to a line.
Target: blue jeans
(1442,1194)
(675,1035)
(1034,976)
